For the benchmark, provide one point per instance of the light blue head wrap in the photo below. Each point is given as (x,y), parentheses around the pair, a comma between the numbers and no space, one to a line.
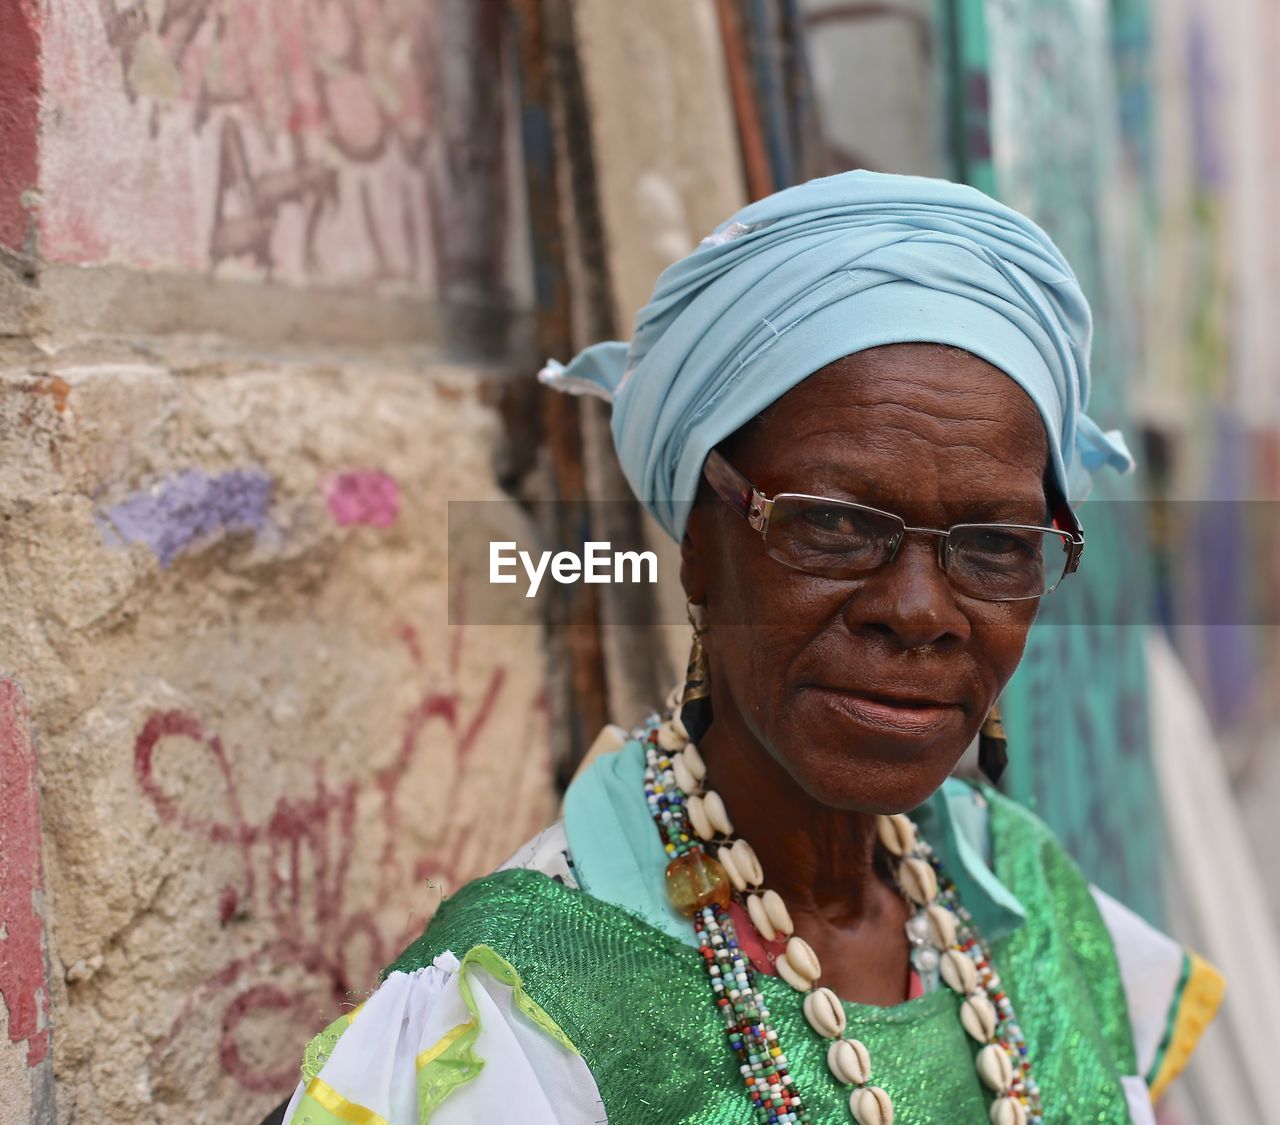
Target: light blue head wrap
(795,281)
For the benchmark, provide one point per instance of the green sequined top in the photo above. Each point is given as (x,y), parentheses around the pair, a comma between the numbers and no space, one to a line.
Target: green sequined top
(634,999)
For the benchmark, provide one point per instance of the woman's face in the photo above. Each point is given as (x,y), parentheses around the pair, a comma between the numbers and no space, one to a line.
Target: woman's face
(868,690)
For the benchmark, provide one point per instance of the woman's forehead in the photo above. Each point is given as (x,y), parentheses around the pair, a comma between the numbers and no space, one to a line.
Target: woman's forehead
(905,418)
(942,396)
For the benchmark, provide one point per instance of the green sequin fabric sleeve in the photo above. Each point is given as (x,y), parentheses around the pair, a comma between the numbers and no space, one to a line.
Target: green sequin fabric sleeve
(1028,855)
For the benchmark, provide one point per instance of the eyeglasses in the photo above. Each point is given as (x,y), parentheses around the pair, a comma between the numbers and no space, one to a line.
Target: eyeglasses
(994,562)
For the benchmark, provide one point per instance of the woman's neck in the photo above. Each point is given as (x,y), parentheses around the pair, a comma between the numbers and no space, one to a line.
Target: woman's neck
(821,860)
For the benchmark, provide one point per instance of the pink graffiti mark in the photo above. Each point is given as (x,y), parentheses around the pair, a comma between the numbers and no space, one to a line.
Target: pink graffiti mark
(364,496)
(20,89)
(24,984)
(295,864)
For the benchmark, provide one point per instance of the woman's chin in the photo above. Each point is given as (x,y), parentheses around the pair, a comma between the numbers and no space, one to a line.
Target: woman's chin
(896,795)
(884,774)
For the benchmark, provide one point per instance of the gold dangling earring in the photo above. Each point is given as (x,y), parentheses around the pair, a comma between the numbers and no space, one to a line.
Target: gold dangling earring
(695,701)
(993,746)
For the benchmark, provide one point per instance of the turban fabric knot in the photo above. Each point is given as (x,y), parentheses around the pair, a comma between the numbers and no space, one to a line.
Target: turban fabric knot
(808,275)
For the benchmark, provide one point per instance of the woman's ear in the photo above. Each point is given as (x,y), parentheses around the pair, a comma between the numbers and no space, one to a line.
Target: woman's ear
(693,562)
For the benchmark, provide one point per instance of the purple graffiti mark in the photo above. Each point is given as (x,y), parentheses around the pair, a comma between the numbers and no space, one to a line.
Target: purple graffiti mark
(187,508)
(296,865)
(364,496)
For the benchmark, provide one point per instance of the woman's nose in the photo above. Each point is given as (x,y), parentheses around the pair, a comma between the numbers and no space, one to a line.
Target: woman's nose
(910,599)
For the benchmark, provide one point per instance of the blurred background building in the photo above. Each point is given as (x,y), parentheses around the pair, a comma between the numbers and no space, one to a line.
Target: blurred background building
(274,281)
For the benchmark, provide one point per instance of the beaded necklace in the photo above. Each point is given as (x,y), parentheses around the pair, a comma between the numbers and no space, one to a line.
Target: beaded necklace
(944,942)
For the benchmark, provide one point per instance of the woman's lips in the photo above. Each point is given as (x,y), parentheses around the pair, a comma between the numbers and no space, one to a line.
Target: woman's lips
(913,717)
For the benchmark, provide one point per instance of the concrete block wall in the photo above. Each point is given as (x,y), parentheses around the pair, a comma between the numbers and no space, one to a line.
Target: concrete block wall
(262,279)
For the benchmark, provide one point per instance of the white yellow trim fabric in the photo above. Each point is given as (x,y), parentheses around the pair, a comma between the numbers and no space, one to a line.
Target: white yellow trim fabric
(1200,993)
(1172,996)
(1218,906)
(1151,968)
(321,1104)
(451,1044)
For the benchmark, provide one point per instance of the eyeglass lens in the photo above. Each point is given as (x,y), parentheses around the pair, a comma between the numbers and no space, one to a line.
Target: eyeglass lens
(991,562)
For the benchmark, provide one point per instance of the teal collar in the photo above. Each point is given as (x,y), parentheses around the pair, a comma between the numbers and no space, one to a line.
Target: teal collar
(619,858)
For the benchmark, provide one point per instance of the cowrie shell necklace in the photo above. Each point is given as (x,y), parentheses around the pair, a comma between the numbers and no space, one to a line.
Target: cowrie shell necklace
(710,867)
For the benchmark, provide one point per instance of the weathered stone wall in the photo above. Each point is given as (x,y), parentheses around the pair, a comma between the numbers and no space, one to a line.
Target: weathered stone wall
(261,742)
(258,294)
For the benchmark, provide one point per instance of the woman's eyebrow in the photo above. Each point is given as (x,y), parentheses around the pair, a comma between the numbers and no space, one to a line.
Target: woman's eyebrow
(842,485)
(1009,506)
(854,480)
(826,473)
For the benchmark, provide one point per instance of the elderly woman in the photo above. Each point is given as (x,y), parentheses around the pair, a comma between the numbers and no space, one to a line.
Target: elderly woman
(858,407)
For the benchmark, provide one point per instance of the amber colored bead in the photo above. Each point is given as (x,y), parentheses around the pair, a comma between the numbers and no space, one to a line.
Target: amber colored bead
(695,880)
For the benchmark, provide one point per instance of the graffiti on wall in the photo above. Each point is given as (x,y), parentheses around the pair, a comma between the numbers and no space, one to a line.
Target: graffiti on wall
(326,139)
(19,123)
(24,987)
(298,866)
(187,509)
(193,508)
(364,496)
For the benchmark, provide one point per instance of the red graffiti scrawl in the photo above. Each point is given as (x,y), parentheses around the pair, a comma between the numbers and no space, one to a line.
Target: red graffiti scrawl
(295,865)
(23,981)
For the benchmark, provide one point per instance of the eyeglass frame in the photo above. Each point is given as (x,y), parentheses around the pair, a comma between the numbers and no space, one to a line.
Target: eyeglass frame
(755,507)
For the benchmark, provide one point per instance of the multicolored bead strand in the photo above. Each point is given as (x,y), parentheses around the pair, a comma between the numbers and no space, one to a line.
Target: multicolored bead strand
(943,938)
(761,1063)
(1007,1035)
(754,1043)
